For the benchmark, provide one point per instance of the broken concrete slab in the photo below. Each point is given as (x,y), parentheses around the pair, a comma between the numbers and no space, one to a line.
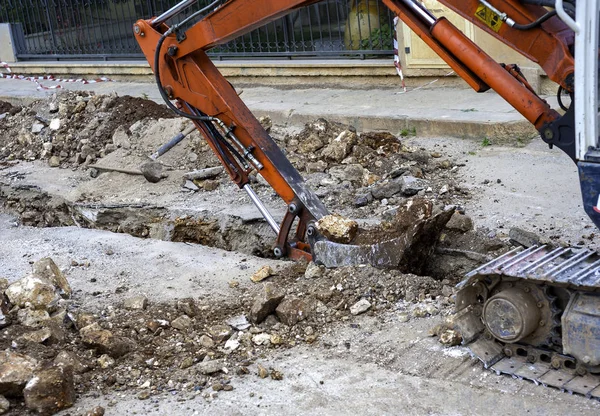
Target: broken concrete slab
(182,322)
(33,318)
(105,342)
(139,302)
(359,307)
(220,333)
(48,269)
(291,311)
(460,222)
(523,237)
(405,242)
(210,367)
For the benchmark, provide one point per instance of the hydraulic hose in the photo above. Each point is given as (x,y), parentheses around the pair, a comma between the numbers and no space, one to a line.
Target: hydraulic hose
(162,91)
(535,23)
(568,5)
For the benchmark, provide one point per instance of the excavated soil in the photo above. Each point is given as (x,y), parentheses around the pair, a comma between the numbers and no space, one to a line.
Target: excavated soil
(72,128)
(371,176)
(8,108)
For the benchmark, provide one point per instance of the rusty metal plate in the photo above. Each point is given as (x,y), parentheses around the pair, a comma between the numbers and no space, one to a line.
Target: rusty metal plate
(595,393)
(555,378)
(487,351)
(582,385)
(532,371)
(469,323)
(507,366)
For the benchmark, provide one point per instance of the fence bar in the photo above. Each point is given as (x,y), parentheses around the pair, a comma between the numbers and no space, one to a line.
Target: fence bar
(92,29)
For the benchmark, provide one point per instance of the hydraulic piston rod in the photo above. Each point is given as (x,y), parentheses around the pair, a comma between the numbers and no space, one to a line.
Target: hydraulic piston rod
(262,208)
(172,11)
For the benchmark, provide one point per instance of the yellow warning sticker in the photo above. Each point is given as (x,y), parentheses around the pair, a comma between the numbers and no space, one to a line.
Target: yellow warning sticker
(491,19)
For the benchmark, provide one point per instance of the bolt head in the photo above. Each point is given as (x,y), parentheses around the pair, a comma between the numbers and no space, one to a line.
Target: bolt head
(137,29)
(172,51)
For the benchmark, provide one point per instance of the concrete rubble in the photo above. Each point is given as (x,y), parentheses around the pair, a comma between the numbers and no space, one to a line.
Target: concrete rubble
(15,371)
(50,390)
(337,228)
(266,302)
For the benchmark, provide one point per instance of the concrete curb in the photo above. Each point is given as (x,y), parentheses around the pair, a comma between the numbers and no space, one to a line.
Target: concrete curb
(344,73)
(510,133)
(507,133)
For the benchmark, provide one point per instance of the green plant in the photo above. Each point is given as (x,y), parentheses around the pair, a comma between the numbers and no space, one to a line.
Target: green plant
(472,153)
(144,96)
(380,38)
(486,142)
(408,132)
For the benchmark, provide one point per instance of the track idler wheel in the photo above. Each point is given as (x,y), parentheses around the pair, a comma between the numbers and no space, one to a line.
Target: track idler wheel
(511,315)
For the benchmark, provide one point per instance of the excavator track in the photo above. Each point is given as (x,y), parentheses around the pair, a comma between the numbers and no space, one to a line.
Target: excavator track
(534,314)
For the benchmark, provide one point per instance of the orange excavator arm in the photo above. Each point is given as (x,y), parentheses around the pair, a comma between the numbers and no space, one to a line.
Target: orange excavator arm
(184,73)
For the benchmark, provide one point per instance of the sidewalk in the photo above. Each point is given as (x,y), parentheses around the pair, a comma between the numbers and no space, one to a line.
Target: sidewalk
(446,112)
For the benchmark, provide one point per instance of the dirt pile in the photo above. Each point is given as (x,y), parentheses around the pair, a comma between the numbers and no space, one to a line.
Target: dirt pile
(72,128)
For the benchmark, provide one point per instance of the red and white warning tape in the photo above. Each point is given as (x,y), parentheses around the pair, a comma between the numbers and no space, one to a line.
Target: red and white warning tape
(397,63)
(37,79)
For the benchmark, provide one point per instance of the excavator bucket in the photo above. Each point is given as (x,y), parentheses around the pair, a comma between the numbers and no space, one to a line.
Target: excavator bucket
(405,242)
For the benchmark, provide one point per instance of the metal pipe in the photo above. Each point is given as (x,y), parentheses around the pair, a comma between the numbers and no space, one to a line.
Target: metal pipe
(262,208)
(420,11)
(172,11)
(564,16)
(171,143)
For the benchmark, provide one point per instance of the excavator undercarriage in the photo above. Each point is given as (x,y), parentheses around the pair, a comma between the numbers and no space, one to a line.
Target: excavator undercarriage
(535,314)
(532,313)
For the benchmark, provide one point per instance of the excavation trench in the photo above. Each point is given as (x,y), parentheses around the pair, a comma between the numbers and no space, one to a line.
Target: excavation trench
(245,232)
(38,208)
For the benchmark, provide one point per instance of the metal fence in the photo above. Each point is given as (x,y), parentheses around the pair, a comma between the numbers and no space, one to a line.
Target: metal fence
(102,29)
